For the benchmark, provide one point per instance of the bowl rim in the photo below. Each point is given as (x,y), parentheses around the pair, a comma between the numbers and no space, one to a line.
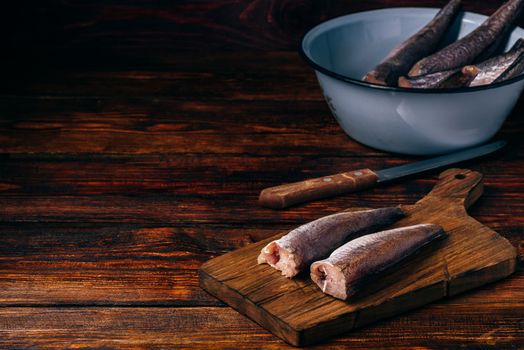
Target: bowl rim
(372,86)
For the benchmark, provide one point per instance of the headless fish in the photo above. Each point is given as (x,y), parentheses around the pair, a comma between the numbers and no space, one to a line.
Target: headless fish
(515,69)
(424,42)
(454,78)
(296,250)
(465,50)
(343,274)
(494,69)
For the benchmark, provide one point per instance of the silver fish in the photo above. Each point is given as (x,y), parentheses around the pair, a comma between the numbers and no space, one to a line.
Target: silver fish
(424,42)
(315,240)
(465,50)
(491,70)
(343,274)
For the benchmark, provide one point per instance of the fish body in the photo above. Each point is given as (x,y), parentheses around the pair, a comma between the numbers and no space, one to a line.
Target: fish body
(424,42)
(428,81)
(465,50)
(347,269)
(494,68)
(296,250)
(515,69)
(454,78)
(460,79)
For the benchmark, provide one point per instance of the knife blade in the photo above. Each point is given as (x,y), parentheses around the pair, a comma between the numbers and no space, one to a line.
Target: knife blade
(286,195)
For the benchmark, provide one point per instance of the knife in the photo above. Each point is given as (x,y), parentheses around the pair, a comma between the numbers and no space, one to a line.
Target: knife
(286,195)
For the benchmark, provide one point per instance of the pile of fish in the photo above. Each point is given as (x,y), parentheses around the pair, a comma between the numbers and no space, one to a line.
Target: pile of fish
(343,252)
(466,62)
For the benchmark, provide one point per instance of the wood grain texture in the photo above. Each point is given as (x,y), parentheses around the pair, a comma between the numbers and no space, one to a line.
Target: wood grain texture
(112,265)
(188,25)
(298,312)
(140,127)
(73,264)
(286,195)
(135,136)
(490,326)
(177,210)
(186,189)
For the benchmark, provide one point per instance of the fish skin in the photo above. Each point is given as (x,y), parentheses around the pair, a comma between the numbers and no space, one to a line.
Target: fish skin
(497,67)
(465,50)
(424,42)
(428,81)
(461,79)
(316,240)
(454,78)
(349,267)
(494,50)
(515,69)
(472,75)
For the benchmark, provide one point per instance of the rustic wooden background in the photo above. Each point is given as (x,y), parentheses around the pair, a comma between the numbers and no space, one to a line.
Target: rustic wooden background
(135,137)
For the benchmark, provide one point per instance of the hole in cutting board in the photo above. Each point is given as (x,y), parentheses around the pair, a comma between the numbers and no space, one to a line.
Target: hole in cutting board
(460,176)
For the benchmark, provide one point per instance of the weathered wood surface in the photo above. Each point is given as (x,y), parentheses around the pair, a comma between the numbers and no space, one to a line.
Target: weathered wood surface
(485,326)
(297,311)
(135,137)
(187,24)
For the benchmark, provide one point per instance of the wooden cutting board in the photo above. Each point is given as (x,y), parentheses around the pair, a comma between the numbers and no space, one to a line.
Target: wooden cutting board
(299,313)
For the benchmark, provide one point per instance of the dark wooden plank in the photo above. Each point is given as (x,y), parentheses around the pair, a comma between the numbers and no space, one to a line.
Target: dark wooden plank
(109,142)
(166,115)
(54,141)
(143,126)
(163,209)
(80,264)
(187,25)
(212,83)
(188,189)
(116,265)
(442,326)
(245,75)
(243,175)
(194,78)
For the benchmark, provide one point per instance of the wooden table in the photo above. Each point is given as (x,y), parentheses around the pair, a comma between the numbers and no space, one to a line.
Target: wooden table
(135,139)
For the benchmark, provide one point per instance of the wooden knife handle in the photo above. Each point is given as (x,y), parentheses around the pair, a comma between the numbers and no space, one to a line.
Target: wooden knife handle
(283,196)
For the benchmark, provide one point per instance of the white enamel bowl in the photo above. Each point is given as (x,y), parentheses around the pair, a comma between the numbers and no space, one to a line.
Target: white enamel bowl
(409,121)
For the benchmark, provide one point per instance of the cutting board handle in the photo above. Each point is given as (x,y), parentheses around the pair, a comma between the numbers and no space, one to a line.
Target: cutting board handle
(460,186)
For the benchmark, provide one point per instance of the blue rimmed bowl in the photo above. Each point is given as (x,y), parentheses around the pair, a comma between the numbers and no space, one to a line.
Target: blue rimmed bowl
(400,120)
